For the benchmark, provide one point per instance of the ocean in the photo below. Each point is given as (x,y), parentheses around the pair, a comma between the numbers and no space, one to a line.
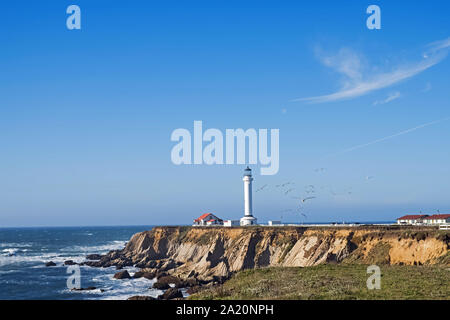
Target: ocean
(24,252)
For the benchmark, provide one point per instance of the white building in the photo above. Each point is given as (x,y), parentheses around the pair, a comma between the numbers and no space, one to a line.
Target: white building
(437,219)
(207,219)
(419,219)
(231,223)
(274,222)
(248,219)
(412,219)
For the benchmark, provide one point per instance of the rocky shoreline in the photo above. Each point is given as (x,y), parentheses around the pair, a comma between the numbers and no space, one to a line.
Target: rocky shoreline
(170,284)
(153,270)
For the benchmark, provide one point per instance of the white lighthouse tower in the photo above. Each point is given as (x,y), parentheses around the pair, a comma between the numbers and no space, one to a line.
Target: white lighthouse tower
(248,218)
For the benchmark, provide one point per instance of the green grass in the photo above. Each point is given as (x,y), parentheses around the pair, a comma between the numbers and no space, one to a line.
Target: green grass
(335,282)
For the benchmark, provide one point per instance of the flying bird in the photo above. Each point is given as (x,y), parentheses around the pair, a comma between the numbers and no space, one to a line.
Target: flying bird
(284,184)
(308,198)
(287,191)
(262,188)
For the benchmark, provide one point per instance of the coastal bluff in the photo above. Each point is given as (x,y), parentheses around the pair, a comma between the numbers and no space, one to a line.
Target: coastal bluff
(207,253)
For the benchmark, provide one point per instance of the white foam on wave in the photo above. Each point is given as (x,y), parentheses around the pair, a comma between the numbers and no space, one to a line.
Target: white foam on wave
(124,289)
(108,288)
(76,253)
(15,245)
(10,251)
(121,289)
(41,259)
(111,245)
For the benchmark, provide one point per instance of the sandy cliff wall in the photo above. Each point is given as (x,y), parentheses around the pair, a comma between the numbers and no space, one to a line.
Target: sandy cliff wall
(207,252)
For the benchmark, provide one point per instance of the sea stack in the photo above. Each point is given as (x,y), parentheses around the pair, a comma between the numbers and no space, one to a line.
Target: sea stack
(248,218)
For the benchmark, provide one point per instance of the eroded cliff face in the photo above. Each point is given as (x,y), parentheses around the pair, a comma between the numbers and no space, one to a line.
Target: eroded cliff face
(205,252)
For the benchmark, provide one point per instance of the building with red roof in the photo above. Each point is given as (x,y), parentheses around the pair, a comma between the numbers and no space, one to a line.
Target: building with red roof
(412,219)
(437,219)
(208,219)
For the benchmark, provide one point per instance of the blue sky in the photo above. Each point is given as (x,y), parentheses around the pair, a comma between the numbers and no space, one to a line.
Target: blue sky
(86,115)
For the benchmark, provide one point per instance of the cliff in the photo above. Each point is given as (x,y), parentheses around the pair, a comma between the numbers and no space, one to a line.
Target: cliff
(207,252)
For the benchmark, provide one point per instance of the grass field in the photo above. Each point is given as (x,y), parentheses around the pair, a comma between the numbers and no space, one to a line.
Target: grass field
(333,281)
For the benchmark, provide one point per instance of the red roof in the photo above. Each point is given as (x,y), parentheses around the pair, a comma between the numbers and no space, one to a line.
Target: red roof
(205,215)
(438,216)
(413,216)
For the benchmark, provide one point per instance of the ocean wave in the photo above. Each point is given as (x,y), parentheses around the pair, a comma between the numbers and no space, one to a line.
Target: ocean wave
(10,252)
(7,271)
(108,288)
(41,259)
(112,245)
(123,289)
(78,254)
(16,245)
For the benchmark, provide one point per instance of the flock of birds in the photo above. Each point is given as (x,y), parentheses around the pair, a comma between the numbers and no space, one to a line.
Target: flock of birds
(309,193)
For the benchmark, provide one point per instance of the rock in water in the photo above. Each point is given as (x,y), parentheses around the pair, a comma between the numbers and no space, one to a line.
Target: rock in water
(69,263)
(144,274)
(188,283)
(94,256)
(169,280)
(84,289)
(50,264)
(141,298)
(160,274)
(122,275)
(171,293)
(161,286)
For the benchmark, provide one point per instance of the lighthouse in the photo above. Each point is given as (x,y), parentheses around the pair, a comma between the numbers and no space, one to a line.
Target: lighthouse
(248,218)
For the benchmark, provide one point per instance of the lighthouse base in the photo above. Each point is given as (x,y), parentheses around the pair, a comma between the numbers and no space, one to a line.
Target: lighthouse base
(248,221)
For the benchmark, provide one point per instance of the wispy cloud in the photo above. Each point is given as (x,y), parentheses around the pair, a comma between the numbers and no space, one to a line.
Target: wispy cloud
(357,83)
(389,98)
(388,137)
(439,45)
